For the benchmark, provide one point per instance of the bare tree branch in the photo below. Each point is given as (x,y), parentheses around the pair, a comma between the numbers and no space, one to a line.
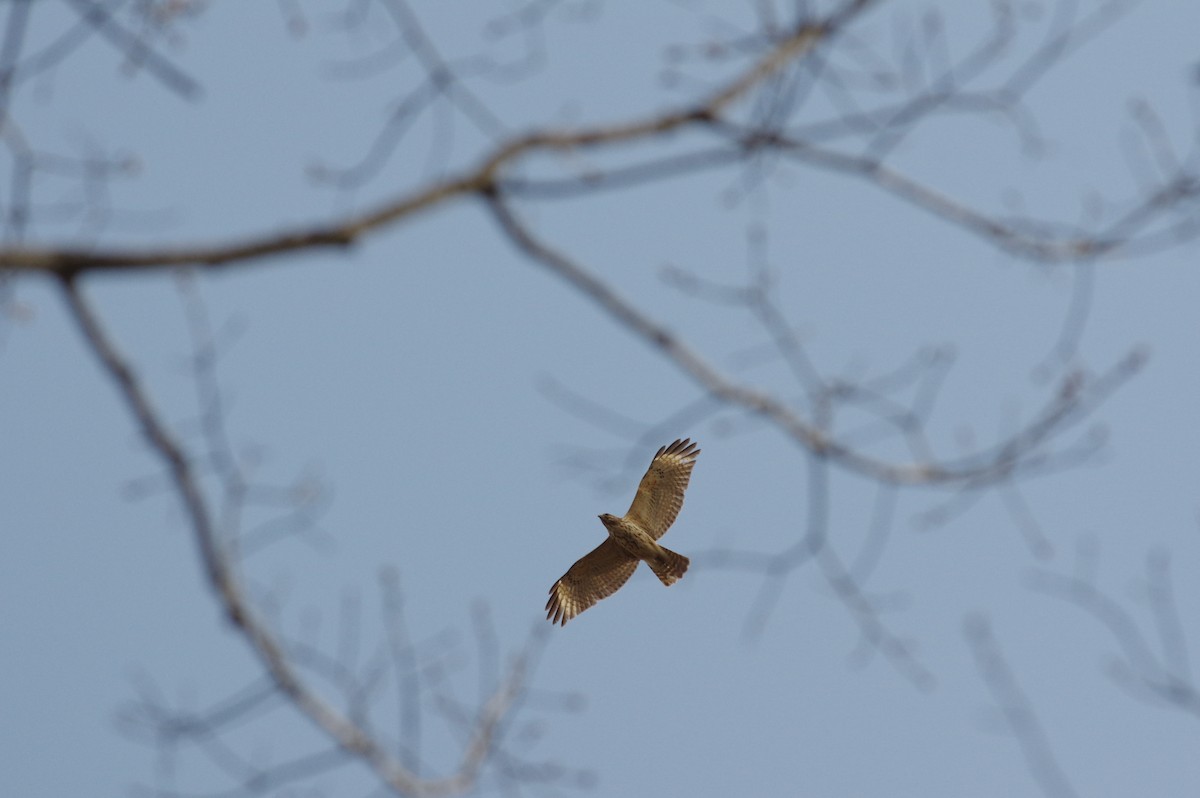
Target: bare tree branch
(67,262)
(136,49)
(223,578)
(1162,679)
(1017,709)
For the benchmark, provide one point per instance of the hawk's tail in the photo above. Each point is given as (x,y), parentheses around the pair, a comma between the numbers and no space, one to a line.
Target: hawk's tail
(669,566)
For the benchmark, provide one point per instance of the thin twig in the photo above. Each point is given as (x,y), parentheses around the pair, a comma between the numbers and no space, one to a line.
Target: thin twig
(1017,709)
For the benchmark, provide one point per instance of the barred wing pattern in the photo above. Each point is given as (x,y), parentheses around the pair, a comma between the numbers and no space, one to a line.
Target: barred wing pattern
(660,494)
(602,571)
(594,576)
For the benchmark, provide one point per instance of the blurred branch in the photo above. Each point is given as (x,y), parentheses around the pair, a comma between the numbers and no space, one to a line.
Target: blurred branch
(1017,709)
(137,50)
(1164,679)
(1145,224)
(273,655)
(1076,396)
(480,182)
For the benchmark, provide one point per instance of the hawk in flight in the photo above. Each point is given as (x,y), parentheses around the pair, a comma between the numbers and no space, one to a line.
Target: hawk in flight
(603,570)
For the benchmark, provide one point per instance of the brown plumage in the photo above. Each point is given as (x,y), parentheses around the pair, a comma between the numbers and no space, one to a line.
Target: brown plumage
(603,570)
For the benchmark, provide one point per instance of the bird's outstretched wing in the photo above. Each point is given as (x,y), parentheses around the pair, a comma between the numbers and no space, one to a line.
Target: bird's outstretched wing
(594,576)
(660,494)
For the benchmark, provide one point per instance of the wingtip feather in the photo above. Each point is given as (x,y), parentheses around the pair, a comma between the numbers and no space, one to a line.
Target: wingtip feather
(684,448)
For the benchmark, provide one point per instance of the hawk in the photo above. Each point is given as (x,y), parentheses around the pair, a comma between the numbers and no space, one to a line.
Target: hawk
(603,570)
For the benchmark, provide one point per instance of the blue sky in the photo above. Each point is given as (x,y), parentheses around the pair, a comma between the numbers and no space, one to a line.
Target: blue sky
(410,385)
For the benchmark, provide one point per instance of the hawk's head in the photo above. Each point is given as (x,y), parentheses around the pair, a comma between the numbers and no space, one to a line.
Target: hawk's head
(608,519)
